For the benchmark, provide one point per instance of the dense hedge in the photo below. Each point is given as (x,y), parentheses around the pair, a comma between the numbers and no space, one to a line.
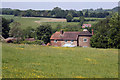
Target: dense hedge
(39,42)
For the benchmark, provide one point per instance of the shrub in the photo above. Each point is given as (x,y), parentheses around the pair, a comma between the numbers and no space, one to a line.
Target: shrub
(40,42)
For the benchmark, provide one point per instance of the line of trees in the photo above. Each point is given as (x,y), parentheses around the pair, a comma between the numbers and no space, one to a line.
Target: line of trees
(56,13)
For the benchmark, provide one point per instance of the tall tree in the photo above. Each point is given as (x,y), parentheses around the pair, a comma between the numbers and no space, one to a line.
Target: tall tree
(16,31)
(69,17)
(86,14)
(44,33)
(81,20)
(16,12)
(5,28)
(107,33)
(29,32)
(80,13)
(114,31)
(93,14)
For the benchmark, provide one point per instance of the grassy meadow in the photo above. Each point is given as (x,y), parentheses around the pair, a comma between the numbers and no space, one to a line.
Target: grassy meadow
(34,61)
(36,21)
(90,18)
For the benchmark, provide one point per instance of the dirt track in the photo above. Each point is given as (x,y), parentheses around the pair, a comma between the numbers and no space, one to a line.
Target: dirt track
(51,20)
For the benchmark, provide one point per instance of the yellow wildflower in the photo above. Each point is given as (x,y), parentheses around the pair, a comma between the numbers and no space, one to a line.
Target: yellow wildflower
(88,59)
(79,77)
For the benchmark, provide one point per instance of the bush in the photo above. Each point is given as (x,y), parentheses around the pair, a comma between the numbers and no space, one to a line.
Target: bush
(16,42)
(90,19)
(40,42)
(75,20)
(44,33)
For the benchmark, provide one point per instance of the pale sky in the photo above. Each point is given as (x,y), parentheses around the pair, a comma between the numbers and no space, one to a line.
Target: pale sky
(64,4)
(60,0)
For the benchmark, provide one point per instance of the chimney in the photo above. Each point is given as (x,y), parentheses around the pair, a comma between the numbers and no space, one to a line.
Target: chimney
(92,32)
(61,31)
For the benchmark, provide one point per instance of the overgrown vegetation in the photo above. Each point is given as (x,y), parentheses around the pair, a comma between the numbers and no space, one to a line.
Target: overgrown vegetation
(107,33)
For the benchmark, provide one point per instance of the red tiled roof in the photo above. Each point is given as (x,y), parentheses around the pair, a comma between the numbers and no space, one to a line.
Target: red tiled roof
(69,35)
(85,33)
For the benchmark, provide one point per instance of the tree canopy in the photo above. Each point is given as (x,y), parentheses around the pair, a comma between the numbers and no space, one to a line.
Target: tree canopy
(107,33)
(57,12)
(44,33)
(69,17)
(5,28)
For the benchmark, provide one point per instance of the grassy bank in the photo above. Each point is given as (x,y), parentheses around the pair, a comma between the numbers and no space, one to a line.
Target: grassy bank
(34,61)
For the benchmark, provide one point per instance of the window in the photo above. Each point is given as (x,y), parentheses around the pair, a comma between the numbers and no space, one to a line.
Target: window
(85,46)
(55,41)
(84,39)
(65,40)
(72,41)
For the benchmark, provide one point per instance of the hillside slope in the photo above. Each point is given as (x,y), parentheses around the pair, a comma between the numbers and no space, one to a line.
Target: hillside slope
(34,61)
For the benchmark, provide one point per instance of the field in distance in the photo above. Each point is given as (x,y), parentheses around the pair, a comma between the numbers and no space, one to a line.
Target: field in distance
(37,21)
(34,61)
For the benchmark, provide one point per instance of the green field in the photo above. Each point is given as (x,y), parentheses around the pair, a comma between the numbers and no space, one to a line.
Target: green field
(37,21)
(90,18)
(90,22)
(34,61)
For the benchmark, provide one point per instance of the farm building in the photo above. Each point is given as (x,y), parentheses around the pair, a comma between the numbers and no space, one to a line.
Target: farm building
(62,38)
(86,25)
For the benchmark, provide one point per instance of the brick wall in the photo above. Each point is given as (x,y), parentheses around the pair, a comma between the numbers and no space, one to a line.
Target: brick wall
(61,43)
(81,42)
(69,42)
(58,43)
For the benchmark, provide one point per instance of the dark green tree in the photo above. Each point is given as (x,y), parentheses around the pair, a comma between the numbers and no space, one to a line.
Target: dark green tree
(93,14)
(114,31)
(29,32)
(44,33)
(86,14)
(107,33)
(5,28)
(58,13)
(16,12)
(80,13)
(69,17)
(81,20)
